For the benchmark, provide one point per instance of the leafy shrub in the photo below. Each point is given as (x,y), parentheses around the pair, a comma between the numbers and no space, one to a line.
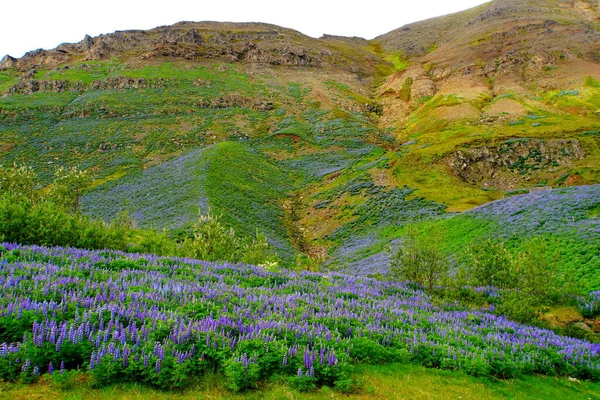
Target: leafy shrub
(241,374)
(419,258)
(47,224)
(491,264)
(210,240)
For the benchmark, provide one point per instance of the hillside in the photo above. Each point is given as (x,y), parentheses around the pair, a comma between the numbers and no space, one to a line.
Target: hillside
(566,218)
(329,146)
(473,81)
(165,322)
(433,197)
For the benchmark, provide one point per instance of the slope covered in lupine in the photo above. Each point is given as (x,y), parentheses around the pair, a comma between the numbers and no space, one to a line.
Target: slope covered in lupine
(166,321)
(567,219)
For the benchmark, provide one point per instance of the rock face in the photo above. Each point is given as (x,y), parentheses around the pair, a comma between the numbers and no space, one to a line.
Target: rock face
(236,101)
(503,46)
(508,165)
(250,43)
(29,86)
(7,62)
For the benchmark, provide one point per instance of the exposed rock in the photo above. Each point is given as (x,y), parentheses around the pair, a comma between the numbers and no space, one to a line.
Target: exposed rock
(100,50)
(53,86)
(7,62)
(423,86)
(122,82)
(552,321)
(596,326)
(233,100)
(107,147)
(504,166)
(582,326)
(28,86)
(276,54)
(587,10)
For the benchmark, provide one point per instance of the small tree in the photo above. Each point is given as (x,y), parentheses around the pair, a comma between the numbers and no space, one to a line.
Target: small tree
(419,258)
(537,270)
(68,187)
(491,264)
(19,181)
(258,251)
(211,240)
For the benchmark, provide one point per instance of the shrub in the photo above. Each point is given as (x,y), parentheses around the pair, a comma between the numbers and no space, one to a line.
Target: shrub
(491,264)
(419,258)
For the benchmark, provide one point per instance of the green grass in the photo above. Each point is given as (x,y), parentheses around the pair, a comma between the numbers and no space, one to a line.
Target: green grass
(248,189)
(393,381)
(113,130)
(400,63)
(7,79)
(86,72)
(565,114)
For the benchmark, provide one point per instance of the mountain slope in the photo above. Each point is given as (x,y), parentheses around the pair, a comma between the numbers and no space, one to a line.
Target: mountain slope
(328,145)
(474,80)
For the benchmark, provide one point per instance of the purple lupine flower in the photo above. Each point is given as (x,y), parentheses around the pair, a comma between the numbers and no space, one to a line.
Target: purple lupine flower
(25,365)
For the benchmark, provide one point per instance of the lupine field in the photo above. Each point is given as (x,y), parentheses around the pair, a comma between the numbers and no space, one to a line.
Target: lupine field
(165,321)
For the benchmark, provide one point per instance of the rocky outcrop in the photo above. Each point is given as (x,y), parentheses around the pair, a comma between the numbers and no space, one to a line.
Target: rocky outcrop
(7,62)
(29,86)
(51,86)
(258,43)
(506,165)
(237,101)
(280,54)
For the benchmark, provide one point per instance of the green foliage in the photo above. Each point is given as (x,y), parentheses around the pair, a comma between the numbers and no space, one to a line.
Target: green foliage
(7,79)
(210,240)
(529,280)
(519,306)
(304,383)
(419,258)
(67,380)
(240,377)
(68,187)
(48,224)
(405,90)
(20,181)
(247,188)
(491,264)
(400,62)
(591,82)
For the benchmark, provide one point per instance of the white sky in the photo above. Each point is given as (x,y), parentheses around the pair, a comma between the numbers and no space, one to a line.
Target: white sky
(29,25)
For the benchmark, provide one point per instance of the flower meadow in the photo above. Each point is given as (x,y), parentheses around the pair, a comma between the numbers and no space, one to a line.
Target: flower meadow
(569,210)
(165,321)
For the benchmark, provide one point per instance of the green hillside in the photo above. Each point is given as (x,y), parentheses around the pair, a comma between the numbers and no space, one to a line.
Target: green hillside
(329,146)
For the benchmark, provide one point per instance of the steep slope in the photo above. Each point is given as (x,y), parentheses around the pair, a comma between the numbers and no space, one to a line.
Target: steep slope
(165,118)
(328,145)
(473,80)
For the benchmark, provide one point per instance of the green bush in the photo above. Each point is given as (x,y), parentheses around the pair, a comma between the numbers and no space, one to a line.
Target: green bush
(240,377)
(419,258)
(48,224)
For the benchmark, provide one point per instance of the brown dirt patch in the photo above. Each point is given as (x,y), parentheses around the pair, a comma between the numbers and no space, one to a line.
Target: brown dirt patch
(455,113)
(506,106)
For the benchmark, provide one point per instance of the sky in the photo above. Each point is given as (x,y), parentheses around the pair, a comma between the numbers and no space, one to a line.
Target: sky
(33,24)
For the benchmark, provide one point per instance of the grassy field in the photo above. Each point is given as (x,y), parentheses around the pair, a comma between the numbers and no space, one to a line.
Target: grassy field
(396,381)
